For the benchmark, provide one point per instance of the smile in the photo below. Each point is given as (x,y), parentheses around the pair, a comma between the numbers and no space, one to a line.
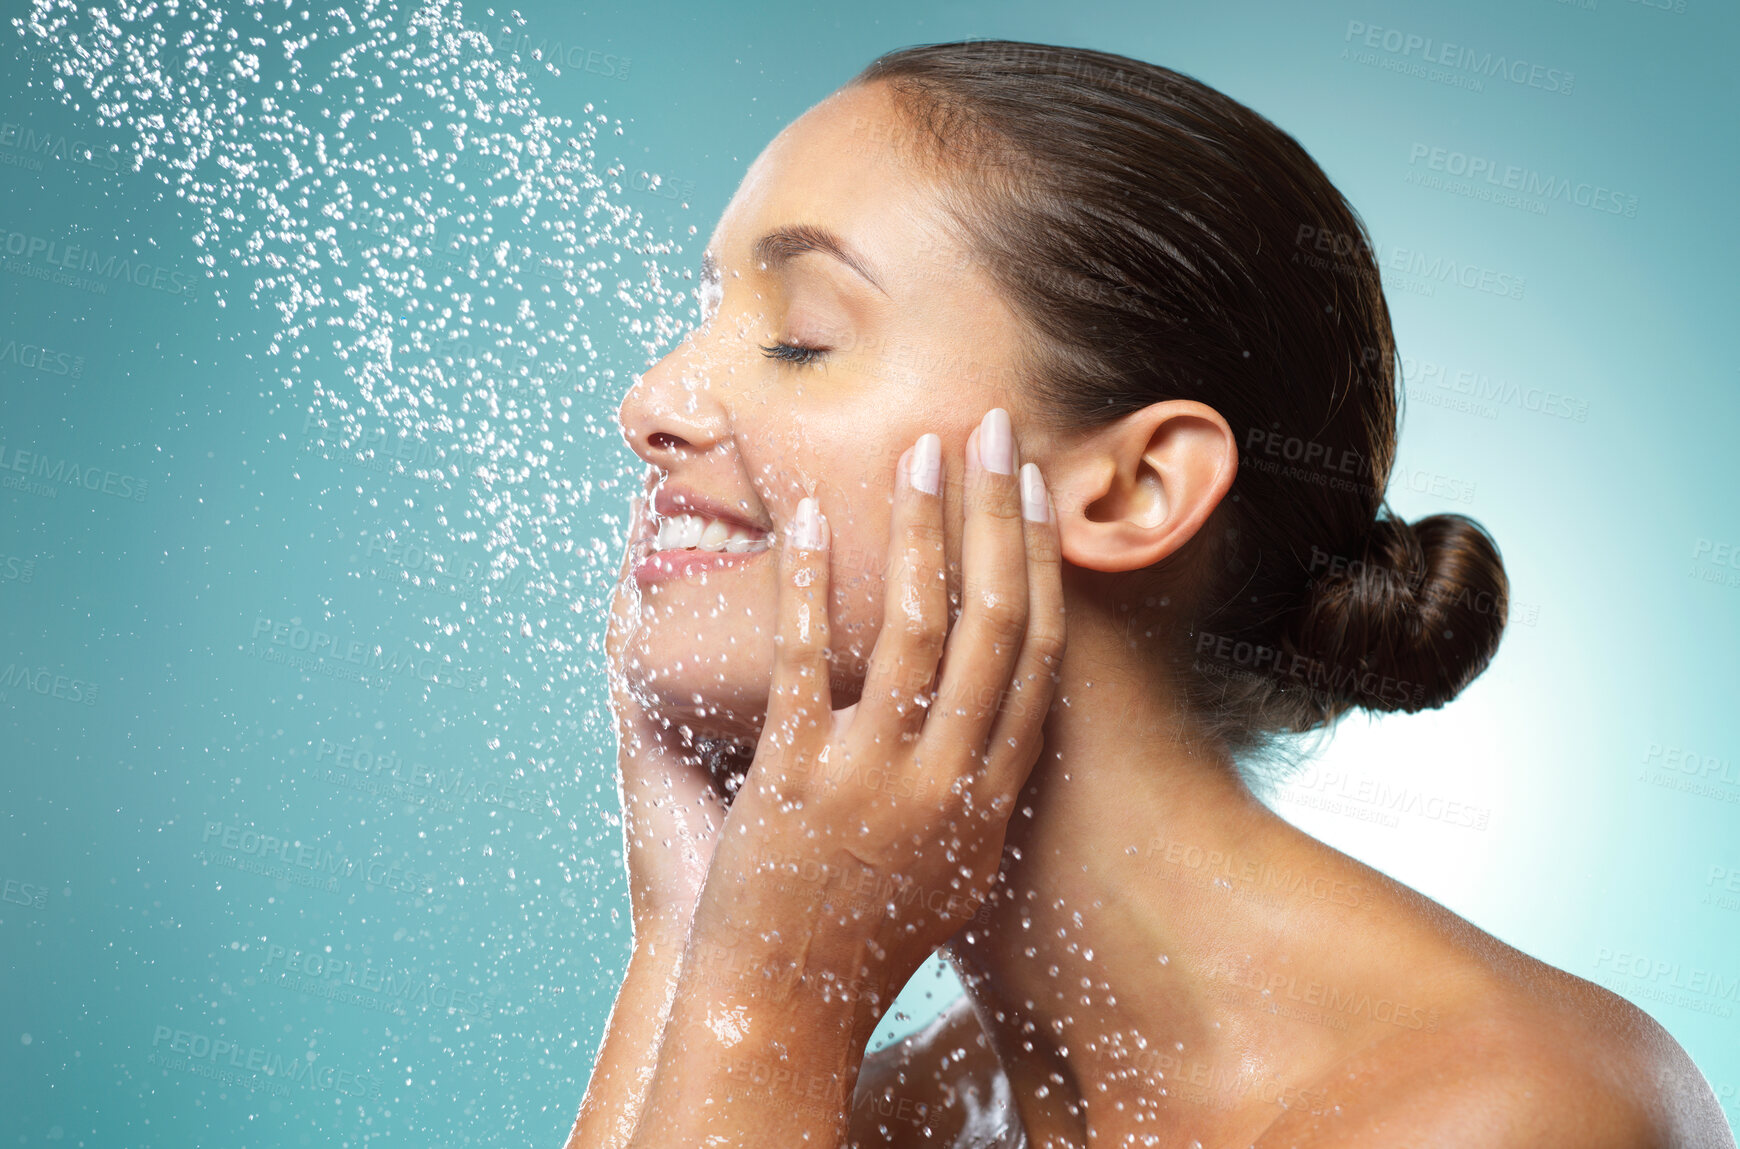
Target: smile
(698,532)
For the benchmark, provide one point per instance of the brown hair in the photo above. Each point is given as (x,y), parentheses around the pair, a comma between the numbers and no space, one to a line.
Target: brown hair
(1165,242)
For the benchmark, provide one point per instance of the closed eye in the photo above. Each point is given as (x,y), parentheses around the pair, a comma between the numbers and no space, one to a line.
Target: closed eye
(794,353)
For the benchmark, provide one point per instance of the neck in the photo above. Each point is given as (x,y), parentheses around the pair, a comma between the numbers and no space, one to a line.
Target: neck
(1145,890)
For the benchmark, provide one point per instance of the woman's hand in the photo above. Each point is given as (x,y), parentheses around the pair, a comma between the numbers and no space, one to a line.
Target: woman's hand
(864,837)
(672,810)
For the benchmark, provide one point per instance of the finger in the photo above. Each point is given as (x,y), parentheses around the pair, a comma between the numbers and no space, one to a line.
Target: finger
(915,603)
(980,653)
(1015,738)
(799,705)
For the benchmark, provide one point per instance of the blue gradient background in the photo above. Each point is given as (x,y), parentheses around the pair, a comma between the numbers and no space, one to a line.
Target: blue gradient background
(1557,804)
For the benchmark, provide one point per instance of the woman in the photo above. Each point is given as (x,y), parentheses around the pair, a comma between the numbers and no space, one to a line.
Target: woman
(1035,334)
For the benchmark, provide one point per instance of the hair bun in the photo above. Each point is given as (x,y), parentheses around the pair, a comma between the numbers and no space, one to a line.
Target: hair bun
(1412,618)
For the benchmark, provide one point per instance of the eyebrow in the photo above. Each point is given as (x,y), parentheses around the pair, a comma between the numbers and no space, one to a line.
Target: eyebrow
(782,244)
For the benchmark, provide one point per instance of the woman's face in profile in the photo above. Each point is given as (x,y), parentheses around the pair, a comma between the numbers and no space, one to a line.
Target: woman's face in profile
(912,340)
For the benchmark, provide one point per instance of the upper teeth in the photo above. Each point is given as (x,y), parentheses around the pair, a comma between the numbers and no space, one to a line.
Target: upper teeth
(683,532)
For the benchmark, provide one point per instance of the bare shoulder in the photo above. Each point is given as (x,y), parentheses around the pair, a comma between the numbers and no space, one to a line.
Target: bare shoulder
(940,1086)
(1533,1056)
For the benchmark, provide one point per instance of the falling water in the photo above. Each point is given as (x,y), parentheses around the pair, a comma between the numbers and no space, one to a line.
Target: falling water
(436,259)
(433,276)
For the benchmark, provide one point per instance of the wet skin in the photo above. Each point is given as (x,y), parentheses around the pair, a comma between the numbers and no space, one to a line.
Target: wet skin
(1127,993)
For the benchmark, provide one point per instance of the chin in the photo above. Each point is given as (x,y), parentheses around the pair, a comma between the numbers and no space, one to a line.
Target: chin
(725,692)
(725,696)
(717,679)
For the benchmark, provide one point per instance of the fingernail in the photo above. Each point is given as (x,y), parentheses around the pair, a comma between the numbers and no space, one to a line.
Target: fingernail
(926,472)
(996,442)
(1034,503)
(808,530)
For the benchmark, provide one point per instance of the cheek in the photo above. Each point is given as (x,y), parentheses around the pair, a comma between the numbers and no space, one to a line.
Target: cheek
(857,570)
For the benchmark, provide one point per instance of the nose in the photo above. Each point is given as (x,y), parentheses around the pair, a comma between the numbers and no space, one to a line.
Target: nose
(673,412)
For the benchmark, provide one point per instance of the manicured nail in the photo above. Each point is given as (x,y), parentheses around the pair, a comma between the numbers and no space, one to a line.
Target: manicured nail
(1035,505)
(926,472)
(996,442)
(809,529)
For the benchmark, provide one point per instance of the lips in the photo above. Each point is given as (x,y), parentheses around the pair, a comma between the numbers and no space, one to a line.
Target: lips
(672,503)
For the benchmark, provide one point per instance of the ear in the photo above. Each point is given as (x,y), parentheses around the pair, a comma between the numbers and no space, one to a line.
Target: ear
(1133,492)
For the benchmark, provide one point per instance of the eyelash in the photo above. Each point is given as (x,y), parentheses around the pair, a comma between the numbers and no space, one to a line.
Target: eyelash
(794,353)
